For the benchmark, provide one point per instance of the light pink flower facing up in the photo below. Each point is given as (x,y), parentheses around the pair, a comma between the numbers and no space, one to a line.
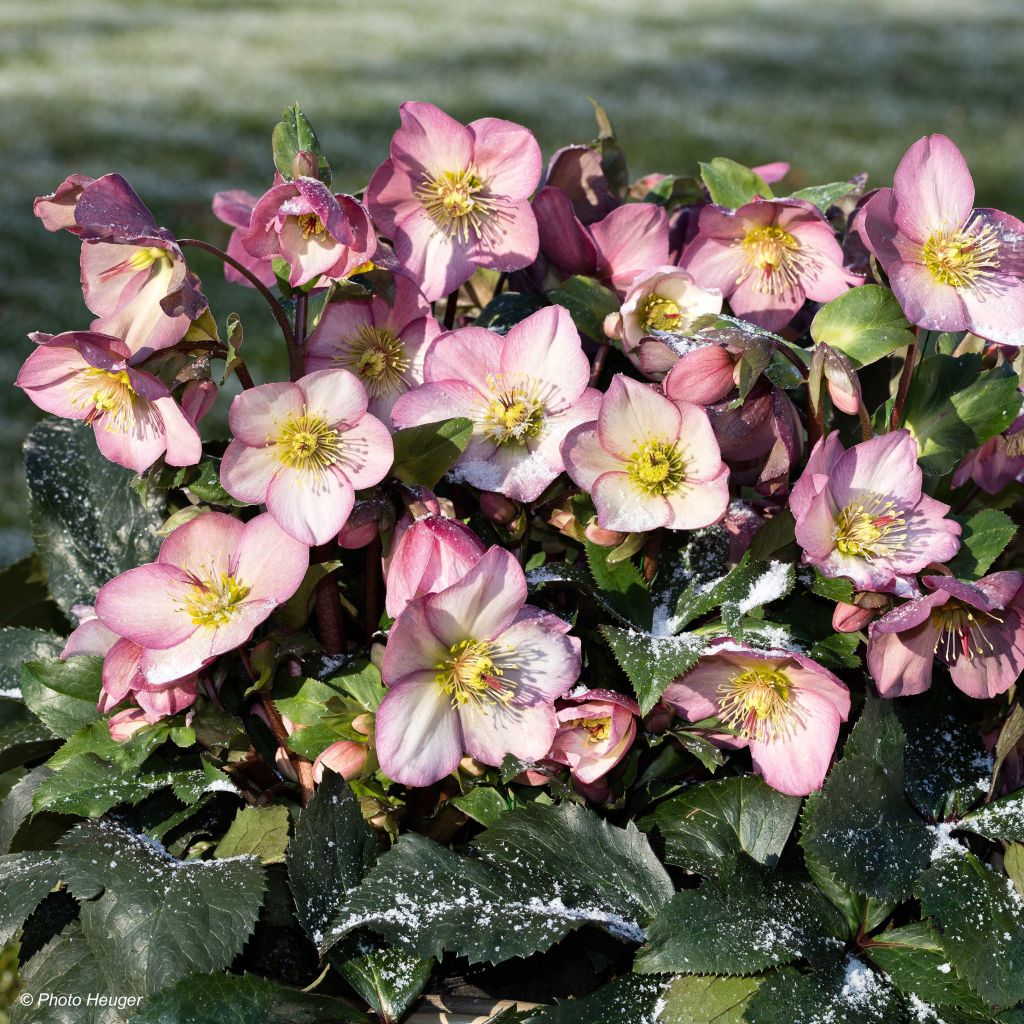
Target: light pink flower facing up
(215,580)
(862,514)
(975,629)
(767,258)
(786,708)
(234,208)
(455,197)
(87,376)
(595,729)
(318,234)
(523,392)
(305,449)
(648,461)
(952,267)
(384,345)
(472,669)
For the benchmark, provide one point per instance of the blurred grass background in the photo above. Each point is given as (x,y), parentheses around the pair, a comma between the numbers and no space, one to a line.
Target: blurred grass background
(181,98)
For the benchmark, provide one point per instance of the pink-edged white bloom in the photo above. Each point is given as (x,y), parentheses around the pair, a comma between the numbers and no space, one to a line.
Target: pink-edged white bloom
(305,449)
(523,392)
(384,345)
(767,258)
(648,461)
(659,301)
(472,669)
(455,197)
(952,268)
(631,239)
(975,629)
(785,707)
(214,581)
(346,758)
(234,208)
(428,554)
(318,234)
(81,375)
(595,729)
(862,514)
(997,463)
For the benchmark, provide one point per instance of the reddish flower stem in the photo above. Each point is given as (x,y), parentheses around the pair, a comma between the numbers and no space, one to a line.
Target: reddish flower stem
(903,390)
(598,366)
(303,768)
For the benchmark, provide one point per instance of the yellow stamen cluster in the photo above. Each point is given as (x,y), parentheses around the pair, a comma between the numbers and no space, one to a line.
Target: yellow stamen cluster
(775,259)
(214,602)
(473,674)
(657,467)
(962,258)
(756,703)
(107,394)
(597,729)
(377,357)
(660,314)
(870,527)
(308,443)
(147,256)
(962,631)
(312,227)
(1015,444)
(457,202)
(515,413)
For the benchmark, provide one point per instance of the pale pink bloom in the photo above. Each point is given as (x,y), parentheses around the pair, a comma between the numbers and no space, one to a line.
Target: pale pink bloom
(85,376)
(305,449)
(595,730)
(455,197)
(997,463)
(648,461)
(57,210)
(785,708)
(631,239)
(316,233)
(383,345)
(523,392)
(472,669)
(214,581)
(976,629)
(126,724)
(90,636)
(862,514)
(767,258)
(234,208)
(346,758)
(952,267)
(428,554)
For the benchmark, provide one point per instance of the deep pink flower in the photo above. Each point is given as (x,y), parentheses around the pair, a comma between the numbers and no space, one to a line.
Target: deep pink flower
(976,629)
(472,669)
(953,268)
(997,463)
(767,258)
(631,239)
(305,449)
(595,730)
(318,234)
(524,393)
(234,208)
(85,376)
(347,758)
(862,514)
(785,707)
(214,581)
(648,461)
(384,345)
(455,197)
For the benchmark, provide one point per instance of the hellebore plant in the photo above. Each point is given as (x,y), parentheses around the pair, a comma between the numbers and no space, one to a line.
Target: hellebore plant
(594,520)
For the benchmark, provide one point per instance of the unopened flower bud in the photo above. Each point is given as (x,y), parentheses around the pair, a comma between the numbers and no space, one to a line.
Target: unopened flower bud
(849,618)
(603,538)
(126,723)
(346,757)
(197,399)
(305,164)
(498,508)
(659,718)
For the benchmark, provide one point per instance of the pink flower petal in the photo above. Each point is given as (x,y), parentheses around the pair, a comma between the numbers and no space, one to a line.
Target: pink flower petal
(335,394)
(412,647)
(585,458)
(269,562)
(310,507)
(526,733)
(546,348)
(547,660)
(431,141)
(932,187)
(901,663)
(472,354)
(622,506)
(204,546)
(701,503)
(147,606)
(245,473)
(632,413)
(630,239)
(925,301)
(256,416)
(563,239)
(506,156)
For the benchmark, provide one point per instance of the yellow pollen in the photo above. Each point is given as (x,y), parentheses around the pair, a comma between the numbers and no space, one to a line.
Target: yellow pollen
(962,631)
(775,259)
(657,467)
(312,227)
(147,256)
(308,443)
(597,729)
(660,314)
(377,357)
(962,258)
(1015,444)
(457,202)
(214,602)
(515,413)
(869,527)
(756,703)
(107,394)
(474,674)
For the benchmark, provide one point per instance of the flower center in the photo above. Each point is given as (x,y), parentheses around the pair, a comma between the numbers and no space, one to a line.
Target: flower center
(962,631)
(1015,444)
(108,394)
(962,258)
(869,527)
(473,674)
(142,259)
(657,467)
(213,602)
(756,703)
(515,413)
(308,443)
(597,729)
(456,202)
(378,357)
(660,314)
(774,257)
(312,227)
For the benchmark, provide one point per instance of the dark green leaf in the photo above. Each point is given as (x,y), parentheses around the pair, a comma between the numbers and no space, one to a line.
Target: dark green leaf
(694,999)
(16,807)
(1001,819)
(824,196)
(63,694)
(292,134)
(652,662)
(389,979)
(25,878)
(425,453)
(984,537)
(19,645)
(89,787)
(504,311)
(206,486)
(588,303)
(621,583)
(482,804)
(629,998)
(865,324)
(24,739)
(731,184)
(259,831)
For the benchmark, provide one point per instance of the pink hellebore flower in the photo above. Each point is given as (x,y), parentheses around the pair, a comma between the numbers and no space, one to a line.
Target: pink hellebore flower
(976,629)
(383,345)
(953,268)
(631,239)
(523,392)
(85,376)
(455,197)
(648,461)
(767,258)
(785,707)
(318,234)
(346,757)
(595,729)
(472,669)
(997,463)
(234,208)
(861,514)
(214,581)
(305,449)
